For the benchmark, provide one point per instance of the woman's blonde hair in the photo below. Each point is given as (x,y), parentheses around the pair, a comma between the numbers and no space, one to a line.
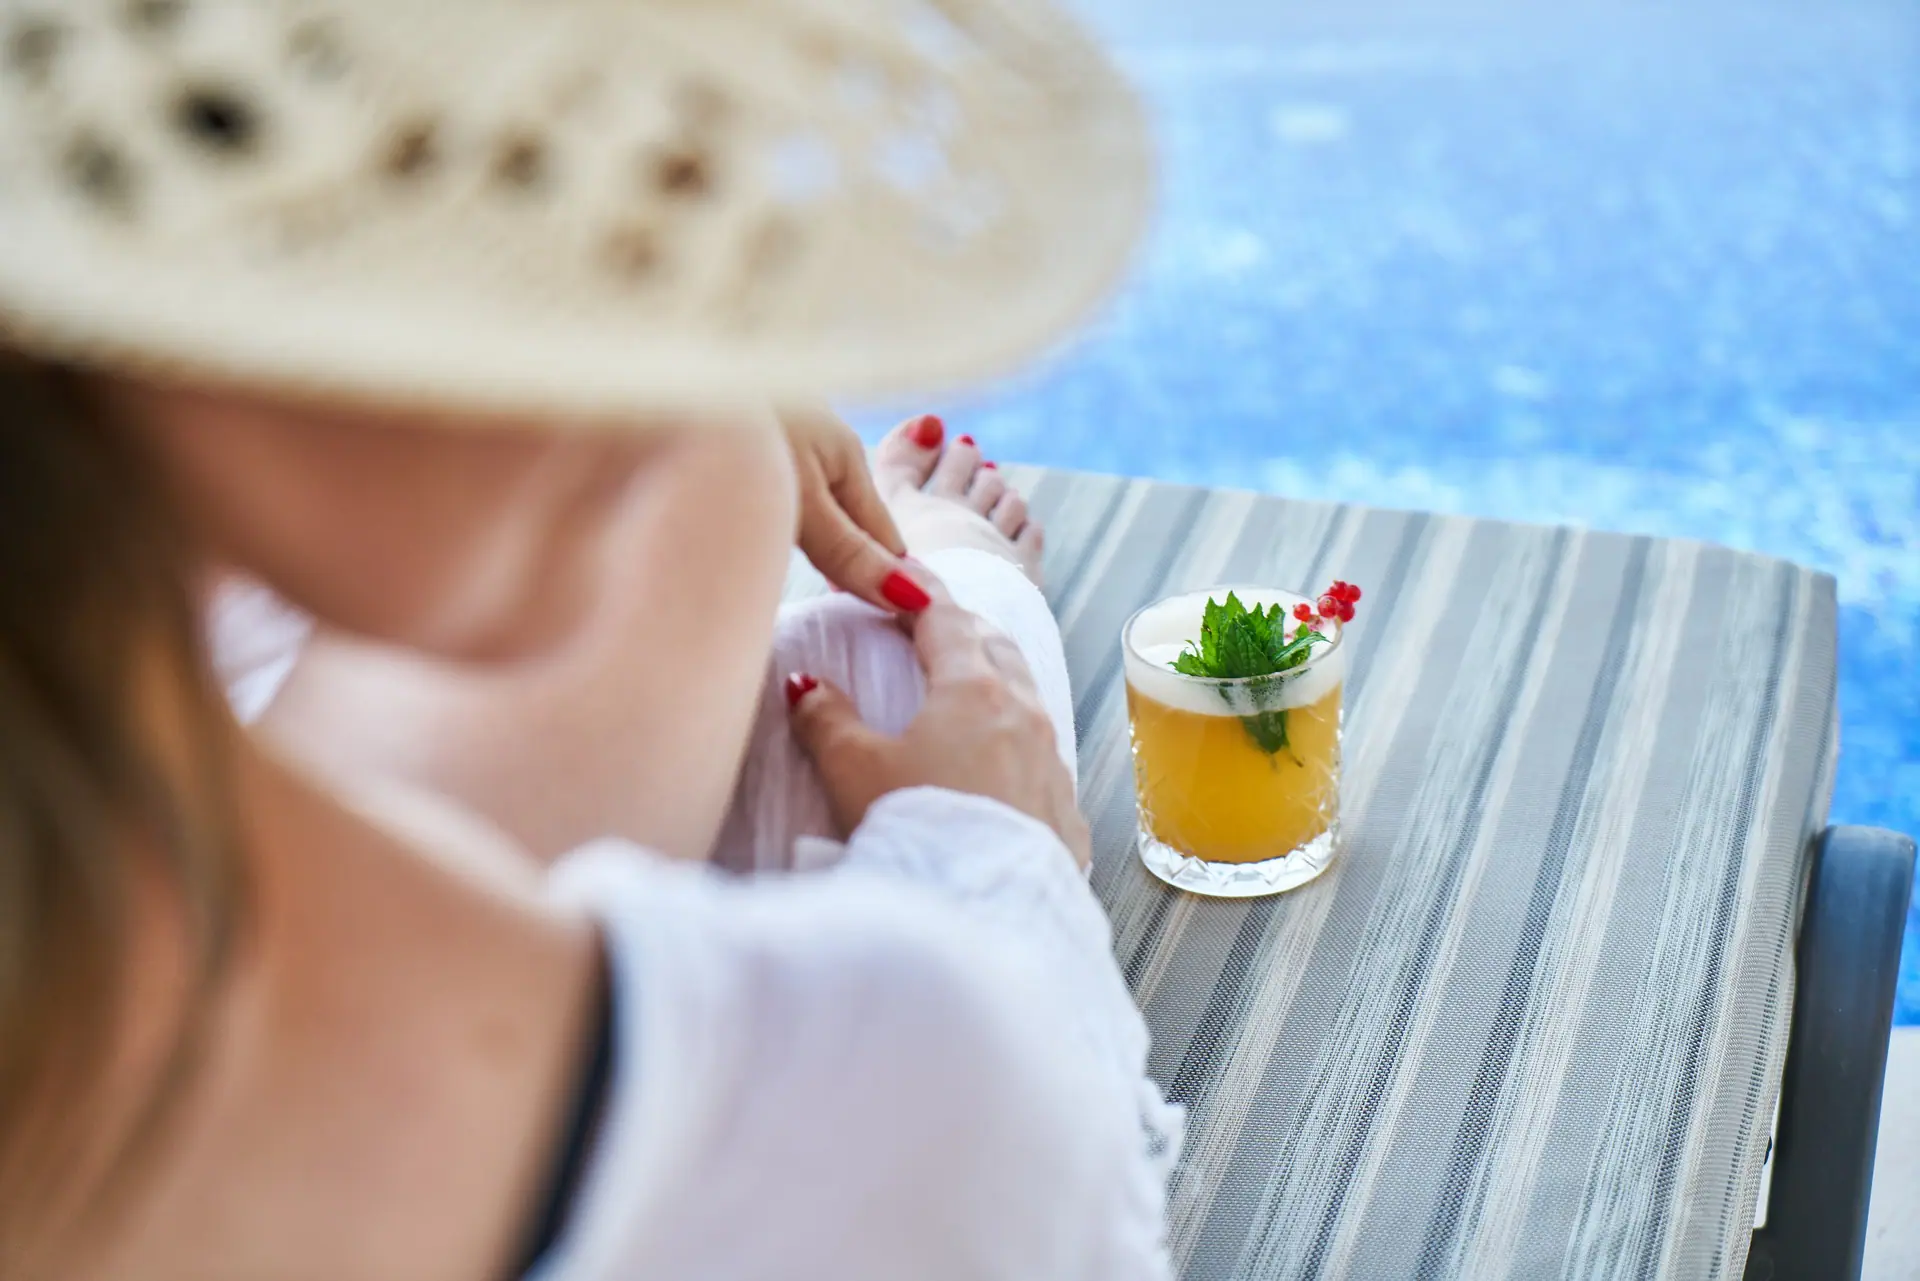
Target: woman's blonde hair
(110,756)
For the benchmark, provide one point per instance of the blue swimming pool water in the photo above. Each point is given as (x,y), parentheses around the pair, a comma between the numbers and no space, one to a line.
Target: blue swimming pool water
(1648,268)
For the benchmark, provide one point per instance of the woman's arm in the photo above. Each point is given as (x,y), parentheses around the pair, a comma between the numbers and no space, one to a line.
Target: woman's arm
(922,1063)
(880,1072)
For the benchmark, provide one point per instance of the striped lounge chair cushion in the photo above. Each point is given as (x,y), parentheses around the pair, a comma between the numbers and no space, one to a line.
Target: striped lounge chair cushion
(1532,1022)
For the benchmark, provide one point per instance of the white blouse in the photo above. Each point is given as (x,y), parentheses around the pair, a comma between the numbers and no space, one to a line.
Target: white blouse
(920,1064)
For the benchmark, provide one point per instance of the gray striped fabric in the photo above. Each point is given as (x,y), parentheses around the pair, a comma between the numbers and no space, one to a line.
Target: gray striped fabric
(1531,1023)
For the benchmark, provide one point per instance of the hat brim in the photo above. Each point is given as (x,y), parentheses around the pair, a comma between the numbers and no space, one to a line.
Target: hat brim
(304,260)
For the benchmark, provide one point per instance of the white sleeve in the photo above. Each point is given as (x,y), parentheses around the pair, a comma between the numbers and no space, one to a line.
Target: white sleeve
(883,1072)
(1011,875)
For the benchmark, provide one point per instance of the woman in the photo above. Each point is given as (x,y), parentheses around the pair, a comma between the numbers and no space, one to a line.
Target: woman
(260,1021)
(631,727)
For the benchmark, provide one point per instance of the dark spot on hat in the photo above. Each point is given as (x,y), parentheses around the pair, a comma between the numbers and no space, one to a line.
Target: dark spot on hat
(221,121)
(521,161)
(101,172)
(414,150)
(684,173)
(154,17)
(32,47)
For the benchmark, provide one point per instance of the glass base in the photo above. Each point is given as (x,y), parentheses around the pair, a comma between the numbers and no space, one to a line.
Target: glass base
(1239,880)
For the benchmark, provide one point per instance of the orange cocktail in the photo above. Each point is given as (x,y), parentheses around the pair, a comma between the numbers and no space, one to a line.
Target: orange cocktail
(1238,780)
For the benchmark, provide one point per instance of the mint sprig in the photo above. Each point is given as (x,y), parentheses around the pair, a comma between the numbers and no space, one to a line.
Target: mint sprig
(1237,643)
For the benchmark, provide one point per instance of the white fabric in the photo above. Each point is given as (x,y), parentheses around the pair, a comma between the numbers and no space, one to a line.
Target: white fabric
(919,1064)
(779,819)
(255,639)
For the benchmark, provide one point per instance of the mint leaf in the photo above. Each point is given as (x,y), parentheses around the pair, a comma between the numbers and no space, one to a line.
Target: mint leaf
(1260,627)
(1237,643)
(1190,664)
(1268,731)
(1295,652)
(1241,654)
(1212,621)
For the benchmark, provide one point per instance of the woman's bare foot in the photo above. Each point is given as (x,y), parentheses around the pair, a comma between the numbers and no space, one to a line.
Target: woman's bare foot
(947,496)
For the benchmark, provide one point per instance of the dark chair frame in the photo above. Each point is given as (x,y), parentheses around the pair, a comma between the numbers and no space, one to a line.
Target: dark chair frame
(1848,967)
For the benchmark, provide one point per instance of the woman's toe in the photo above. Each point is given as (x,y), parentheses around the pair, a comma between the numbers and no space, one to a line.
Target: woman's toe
(953,474)
(1009,515)
(906,456)
(988,488)
(1030,545)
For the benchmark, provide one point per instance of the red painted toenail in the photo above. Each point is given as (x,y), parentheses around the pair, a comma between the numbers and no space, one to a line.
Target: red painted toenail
(965,440)
(903,593)
(991,465)
(928,432)
(799,685)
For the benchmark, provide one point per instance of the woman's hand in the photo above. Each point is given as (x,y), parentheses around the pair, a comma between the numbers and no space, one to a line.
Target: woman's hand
(982,730)
(845,528)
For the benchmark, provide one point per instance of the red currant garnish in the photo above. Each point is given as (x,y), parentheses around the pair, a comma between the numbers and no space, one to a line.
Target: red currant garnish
(1346,611)
(1303,612)
(1329,607)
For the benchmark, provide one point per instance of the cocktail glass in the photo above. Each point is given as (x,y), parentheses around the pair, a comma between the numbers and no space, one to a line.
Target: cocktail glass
(1238,780)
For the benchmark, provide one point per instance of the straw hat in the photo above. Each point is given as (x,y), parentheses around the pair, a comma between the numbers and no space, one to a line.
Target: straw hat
(571,207)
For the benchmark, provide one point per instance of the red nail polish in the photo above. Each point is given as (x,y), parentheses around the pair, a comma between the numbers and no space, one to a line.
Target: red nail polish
(964,440)
(903,593)
(799,685)
(928,432)
(991,466)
